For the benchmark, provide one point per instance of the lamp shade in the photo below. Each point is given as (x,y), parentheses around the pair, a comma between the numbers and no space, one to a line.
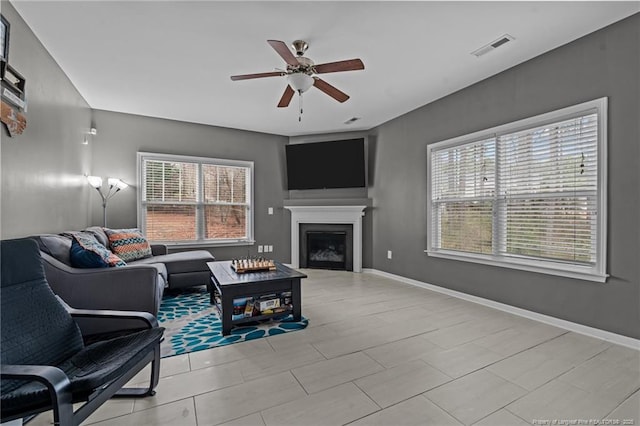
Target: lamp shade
(95,181)
(300,82)
(113,182)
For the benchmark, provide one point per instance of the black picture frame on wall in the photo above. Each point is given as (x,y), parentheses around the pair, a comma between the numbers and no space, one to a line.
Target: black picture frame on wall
(4,38)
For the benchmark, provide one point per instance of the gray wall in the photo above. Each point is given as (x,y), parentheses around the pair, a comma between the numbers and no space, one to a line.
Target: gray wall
(604,63)
(121,136)
(42,182)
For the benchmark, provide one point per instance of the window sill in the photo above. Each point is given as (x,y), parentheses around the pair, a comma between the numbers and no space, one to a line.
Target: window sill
(204,244)
(569,271)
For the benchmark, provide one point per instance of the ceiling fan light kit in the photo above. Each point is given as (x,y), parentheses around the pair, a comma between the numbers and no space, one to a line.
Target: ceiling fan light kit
(300,82)
(301,72)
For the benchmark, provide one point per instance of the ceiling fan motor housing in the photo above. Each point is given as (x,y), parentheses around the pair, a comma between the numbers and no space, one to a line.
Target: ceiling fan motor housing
(305,65)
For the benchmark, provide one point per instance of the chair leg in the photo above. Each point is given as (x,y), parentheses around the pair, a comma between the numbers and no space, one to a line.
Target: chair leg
(63,414)
(133,393)
(155,377)
(155,370)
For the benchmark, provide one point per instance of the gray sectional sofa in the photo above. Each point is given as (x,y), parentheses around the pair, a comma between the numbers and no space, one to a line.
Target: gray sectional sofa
(138,286)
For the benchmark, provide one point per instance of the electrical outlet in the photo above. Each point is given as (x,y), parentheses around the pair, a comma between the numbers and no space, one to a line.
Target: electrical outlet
(270,210)
(389,254)
(270,249)
(259,249)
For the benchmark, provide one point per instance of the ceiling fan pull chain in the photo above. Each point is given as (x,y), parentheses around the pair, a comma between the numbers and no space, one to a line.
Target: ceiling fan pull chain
(300,103)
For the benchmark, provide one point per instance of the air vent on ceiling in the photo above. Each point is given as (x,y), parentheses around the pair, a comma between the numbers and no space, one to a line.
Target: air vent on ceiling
(501,41)
(351,120)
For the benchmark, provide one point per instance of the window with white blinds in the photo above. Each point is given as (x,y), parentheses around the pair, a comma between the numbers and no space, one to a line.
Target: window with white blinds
(463,189)
(529,195)
(195,200)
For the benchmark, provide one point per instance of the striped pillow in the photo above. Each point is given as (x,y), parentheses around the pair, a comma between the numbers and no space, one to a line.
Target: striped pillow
(128,244)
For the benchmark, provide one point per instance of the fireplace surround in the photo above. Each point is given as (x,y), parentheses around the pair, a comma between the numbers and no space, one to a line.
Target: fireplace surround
(327,214)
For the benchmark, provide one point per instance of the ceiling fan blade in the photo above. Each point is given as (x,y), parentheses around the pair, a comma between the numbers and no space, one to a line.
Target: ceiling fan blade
(259,75)
(284,52)
(330,90)
(286,97)
(348,65)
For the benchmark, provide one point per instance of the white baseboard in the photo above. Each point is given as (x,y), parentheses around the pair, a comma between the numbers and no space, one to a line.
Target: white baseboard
(618,339)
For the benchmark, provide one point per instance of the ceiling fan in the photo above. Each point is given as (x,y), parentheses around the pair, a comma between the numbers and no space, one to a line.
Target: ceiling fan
(301,72)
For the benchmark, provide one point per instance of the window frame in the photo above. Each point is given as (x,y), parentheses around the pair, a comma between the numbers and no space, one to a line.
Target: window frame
(595,272)
(200,203)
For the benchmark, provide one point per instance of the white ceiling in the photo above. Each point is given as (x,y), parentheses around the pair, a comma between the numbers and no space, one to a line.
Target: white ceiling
(173,59)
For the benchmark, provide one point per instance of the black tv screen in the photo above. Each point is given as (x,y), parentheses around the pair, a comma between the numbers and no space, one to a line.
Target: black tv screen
(320,165)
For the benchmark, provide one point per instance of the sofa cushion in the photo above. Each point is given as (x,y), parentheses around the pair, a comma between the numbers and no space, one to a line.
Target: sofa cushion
(129,244)
(58,246)
(181,262)
(162,271)
(87,252)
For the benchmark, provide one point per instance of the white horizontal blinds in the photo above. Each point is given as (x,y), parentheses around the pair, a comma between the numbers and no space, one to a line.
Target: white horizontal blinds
(462,191)
(549,187)
(168,181)
(560,229)
(170,200)
(464,171)
(226,201)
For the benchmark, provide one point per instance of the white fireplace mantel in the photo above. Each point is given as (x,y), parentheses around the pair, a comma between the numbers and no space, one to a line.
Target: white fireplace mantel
(327,214)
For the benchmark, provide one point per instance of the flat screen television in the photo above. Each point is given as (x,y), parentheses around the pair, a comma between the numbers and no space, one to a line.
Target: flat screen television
(322,165)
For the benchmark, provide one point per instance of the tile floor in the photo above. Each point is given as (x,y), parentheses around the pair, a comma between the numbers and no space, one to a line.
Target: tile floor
(379,352)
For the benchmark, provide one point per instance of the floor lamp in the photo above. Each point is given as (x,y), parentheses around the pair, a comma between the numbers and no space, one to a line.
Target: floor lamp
(115,185)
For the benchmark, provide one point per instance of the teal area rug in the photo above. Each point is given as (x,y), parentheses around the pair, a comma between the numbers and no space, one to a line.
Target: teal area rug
(192,324)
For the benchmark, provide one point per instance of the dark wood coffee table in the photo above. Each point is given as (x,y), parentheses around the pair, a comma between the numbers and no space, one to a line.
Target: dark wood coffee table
(230,285)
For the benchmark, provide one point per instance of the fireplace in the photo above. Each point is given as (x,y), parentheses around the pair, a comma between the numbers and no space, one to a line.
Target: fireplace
(326,250)
(326,246)
(304,215)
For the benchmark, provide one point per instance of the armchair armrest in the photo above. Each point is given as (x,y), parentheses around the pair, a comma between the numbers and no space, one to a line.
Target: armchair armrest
(145,318)
(53,378)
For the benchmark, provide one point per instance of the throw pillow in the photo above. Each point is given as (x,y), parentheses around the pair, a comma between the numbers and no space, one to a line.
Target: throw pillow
(87,252)
(81,258)
(128,244)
